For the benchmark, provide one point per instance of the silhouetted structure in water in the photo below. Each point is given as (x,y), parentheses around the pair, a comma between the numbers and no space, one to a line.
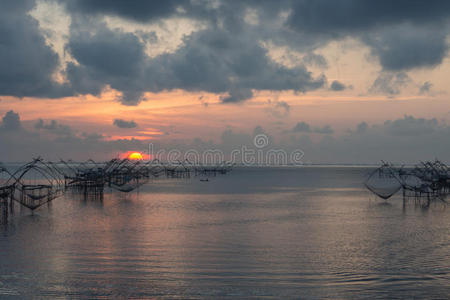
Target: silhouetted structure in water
(6,193)
(36,183)
(126,175)
(178,170)
(222,169)
(424,182)
(39,182)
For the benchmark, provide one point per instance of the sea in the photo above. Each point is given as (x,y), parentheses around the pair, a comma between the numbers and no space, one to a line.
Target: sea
(311,232)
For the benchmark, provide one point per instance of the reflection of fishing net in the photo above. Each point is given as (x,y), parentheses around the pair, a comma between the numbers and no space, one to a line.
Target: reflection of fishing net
(383,183)
(4,192)
(4,177)
(6,183)
(126,188)
(33,196)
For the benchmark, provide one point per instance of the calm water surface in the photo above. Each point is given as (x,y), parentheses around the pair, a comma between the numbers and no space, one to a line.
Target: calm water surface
(304,233)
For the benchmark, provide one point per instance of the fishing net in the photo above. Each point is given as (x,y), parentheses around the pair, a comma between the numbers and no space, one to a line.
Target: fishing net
(383,183)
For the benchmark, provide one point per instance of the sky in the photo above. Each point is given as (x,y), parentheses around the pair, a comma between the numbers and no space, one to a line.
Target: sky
(350,81)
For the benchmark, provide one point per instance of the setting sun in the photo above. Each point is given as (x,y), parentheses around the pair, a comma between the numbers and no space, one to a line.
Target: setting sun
(135,156)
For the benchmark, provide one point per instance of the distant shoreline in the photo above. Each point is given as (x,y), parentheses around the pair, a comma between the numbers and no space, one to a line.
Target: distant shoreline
(306,165)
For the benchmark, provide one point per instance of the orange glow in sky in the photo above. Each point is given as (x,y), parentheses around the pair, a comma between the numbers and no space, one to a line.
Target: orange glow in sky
(135,156)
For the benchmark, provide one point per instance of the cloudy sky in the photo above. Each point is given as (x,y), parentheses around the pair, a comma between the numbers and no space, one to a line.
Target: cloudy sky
(348,81)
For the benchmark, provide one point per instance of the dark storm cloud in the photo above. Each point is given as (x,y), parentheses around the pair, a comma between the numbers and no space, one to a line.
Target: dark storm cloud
(402,34)
(225,57)
(124,124)
(138,10)
(105,57)
(27,63)
(228,13)
(209,60)
(405,47)
(237,95)
(109,52)
(218,61)
(317,16)
(336,18)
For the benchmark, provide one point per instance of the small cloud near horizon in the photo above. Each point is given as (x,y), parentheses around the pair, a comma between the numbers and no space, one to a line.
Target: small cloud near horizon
(120,123)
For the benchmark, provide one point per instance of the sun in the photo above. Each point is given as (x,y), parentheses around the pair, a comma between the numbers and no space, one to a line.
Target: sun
(135,156)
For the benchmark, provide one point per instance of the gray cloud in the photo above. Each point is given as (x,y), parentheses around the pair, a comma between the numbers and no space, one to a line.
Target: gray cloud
(301,127)
(125,124)
(225,57)
(405,140)
(315,60)
(425,88)
(402,34)
(53,127)
(348,16)
(389,83)
(324,130)
(237,95)
(362,127)
(11,121)
(27,63)
(278,108)
(22,144)
(284,106)
(218,61)
(405,47)
(306,128)
(140,11)
(410,126)
(210,60)
(337,86)
(111,53)
(106,57)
